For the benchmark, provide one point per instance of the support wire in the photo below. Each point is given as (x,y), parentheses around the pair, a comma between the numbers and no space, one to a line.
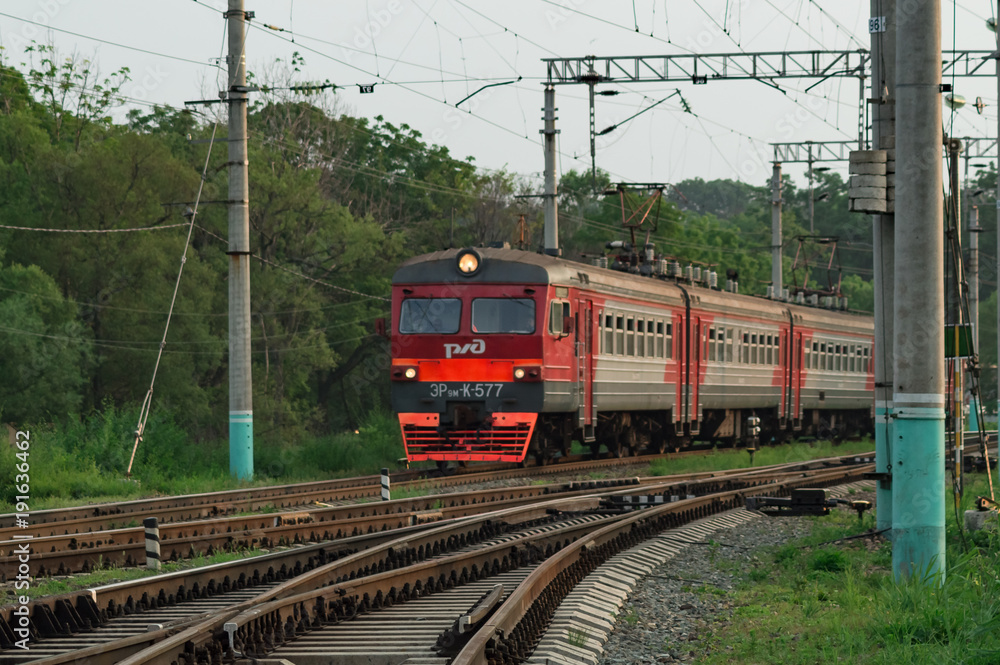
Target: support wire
(140,427)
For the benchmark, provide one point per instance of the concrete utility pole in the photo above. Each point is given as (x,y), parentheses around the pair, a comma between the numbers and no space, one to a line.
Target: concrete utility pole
(240,384)
(919,370)
(957,365)
(551,204)
(812,206)
(974,231)
(776,279)
(997,30)
(883,232)
(974,424)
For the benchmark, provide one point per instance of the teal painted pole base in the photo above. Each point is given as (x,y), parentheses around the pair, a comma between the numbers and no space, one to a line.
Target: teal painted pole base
(918,493)
(241,444)
(973,420)
(883,491)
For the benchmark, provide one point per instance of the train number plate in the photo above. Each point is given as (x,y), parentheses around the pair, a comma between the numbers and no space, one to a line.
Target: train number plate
(466,390)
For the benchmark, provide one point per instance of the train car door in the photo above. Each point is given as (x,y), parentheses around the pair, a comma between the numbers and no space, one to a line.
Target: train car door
(585,368)
(795,386)
(785,354)
(695,345)
(678,351)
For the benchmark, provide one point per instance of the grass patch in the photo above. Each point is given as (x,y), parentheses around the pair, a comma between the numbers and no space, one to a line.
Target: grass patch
(85,461)
(737,458)
(416,490)
(577,638)
(815,601)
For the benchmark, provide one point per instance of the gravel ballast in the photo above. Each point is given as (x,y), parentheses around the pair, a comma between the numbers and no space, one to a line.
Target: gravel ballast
(684,600)
(680,603)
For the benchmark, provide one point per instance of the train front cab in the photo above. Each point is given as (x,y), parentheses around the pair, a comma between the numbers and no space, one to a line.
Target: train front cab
(468,380)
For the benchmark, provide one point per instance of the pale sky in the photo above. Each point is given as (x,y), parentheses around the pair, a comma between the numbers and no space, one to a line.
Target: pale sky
(426,55)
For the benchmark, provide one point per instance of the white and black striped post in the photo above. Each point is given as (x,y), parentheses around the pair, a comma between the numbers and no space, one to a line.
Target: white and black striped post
(385,484)
(152,543)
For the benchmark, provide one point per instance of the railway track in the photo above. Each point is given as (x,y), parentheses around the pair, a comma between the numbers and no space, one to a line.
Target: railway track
(105,516)
(421,561)
(58,553)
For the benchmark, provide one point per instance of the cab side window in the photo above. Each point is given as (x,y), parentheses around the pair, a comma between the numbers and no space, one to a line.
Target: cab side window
(558,314)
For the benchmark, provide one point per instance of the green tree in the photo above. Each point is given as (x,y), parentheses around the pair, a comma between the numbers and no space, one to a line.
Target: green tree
(44,351)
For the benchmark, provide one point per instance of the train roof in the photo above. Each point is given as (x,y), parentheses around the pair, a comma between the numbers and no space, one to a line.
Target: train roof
(507,266)
(499,266)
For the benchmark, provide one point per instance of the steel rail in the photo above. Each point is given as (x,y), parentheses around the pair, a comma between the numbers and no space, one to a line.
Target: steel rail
(269,623)
(224,502)
(512,631)
(81,552)
(82,609)
(381,556)
(206,504)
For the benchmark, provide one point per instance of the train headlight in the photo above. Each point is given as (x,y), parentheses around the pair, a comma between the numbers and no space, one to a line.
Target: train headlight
(404,373)
(468,262)
(531,373)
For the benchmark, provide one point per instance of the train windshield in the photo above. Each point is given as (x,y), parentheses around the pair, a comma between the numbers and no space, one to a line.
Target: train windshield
(422,316)
(503,315)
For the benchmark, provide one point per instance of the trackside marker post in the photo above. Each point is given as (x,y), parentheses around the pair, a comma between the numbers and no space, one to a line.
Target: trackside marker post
(385,485)
(152,543)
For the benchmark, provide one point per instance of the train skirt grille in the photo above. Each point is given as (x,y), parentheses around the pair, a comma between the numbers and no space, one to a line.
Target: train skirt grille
(505,439)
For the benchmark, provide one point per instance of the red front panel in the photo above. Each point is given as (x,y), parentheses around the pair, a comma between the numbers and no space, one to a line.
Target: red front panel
(467,369)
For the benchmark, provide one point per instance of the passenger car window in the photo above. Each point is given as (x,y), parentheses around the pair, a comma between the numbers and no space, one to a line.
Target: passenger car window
(430,315)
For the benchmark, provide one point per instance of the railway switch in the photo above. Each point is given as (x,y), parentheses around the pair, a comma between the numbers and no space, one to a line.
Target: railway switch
(451,641)
(803,501)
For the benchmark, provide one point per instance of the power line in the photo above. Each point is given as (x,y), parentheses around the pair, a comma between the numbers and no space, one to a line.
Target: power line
(135,310)
(298,274)
(144,228)
(110,43)
(112,344)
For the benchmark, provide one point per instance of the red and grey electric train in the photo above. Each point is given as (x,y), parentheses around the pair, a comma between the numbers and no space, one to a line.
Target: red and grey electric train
(501,353)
